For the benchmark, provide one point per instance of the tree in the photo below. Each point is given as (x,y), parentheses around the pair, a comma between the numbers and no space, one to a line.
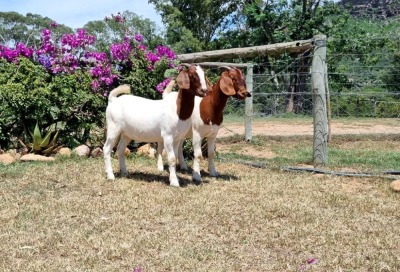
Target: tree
(16,28)
(192,24)
(123,24)
(281,21)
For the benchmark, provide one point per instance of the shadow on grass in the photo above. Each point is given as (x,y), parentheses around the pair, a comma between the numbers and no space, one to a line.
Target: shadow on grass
(183,181)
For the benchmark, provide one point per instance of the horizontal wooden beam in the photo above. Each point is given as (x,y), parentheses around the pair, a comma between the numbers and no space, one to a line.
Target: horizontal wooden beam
(248,52)
(218,64)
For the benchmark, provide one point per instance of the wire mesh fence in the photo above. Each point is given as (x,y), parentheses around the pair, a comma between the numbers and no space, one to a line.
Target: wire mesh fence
(358,86)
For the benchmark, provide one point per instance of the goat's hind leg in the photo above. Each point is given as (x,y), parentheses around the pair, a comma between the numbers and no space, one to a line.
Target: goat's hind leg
(197,157)
(112,136)
(123,143)
(160,165)
(182,164)
(211,153)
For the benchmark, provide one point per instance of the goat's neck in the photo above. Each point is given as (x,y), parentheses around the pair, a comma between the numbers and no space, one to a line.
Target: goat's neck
(212,106)
(185,104)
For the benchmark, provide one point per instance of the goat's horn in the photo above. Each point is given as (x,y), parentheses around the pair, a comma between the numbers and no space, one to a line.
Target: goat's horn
(224,67)
(186,64)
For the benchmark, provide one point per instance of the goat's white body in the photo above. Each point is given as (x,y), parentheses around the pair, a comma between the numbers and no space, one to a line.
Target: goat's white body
(198,131)
(144,120)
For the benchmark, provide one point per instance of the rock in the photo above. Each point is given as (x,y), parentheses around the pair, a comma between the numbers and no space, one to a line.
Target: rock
(97,152)
(82,151)
(395,185)
(7,159)
(147,150)
(34,157)
(12,152)
(127,152)
(65,151)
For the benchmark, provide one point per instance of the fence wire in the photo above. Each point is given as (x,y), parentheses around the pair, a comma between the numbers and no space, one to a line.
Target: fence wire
(355,89)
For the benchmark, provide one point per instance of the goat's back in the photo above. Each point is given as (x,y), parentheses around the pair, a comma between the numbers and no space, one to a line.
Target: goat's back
(145,120)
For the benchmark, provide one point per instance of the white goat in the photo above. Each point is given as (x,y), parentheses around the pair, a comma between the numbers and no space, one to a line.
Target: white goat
(207,118)
(144,120)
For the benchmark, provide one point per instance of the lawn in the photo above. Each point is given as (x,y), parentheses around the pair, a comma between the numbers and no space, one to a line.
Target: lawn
(64,216)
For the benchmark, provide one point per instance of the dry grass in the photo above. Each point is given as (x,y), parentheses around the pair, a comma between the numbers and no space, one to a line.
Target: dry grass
(65,216)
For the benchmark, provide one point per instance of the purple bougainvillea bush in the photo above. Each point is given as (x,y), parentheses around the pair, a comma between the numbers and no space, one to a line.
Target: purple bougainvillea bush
(65,81)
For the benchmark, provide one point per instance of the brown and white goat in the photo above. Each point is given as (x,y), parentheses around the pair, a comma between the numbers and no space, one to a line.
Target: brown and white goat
(144,120)
(207,118)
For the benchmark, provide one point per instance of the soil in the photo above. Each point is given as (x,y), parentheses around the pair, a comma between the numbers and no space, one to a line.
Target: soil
(303,127)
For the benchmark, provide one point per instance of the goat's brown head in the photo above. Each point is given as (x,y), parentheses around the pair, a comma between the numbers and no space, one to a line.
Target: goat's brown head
(193,79)
(233,83)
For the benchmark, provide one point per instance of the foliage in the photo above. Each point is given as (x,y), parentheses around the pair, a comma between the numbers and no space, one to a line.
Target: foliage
(191,24)
(43,145)
(388,109)
(392,76)
(16,28)
(113,29)
(65,82)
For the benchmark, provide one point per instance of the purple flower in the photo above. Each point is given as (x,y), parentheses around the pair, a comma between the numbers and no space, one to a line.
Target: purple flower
(142,47)
(138,37)
(95,85)
(93,57)
(45,60)
(121,52)
(24,51)
(312,261)
(53,25)
(161,86)
(10,55)
(164,51)
(151,57)
(118,18)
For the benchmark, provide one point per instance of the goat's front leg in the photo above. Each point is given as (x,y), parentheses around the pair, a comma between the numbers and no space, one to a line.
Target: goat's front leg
(123,143)
(172,149)
(160,147)
(197,156)
(211,153)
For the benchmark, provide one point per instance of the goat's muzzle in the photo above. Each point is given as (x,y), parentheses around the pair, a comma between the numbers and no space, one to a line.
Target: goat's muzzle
(200,92)
(242,94)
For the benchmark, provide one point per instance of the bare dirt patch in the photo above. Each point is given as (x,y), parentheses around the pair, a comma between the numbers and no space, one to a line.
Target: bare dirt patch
(284,127)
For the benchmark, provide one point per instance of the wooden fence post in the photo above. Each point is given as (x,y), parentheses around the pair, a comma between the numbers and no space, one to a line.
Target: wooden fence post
(249,102)
(319,101)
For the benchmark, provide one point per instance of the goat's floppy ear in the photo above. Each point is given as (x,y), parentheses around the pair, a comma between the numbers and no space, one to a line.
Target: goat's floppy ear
(226,84)
(183,80)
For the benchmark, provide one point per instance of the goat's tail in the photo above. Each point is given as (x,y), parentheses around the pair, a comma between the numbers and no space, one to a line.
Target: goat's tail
(122,89)
(168,89)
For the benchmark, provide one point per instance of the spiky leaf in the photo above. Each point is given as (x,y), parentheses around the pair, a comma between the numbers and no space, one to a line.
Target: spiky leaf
(37,138)
(45,142)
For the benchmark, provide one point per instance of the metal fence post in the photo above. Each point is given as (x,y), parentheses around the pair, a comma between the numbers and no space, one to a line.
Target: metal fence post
(249,103)
(319,101)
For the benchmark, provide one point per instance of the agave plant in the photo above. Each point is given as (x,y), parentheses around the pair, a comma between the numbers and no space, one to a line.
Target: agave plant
(43,145)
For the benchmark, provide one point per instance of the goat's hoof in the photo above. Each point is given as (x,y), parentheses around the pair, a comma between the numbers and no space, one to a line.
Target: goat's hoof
(110,178)
(184,168)
(174,183)
(196,177)
(160,168)
(214,174)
